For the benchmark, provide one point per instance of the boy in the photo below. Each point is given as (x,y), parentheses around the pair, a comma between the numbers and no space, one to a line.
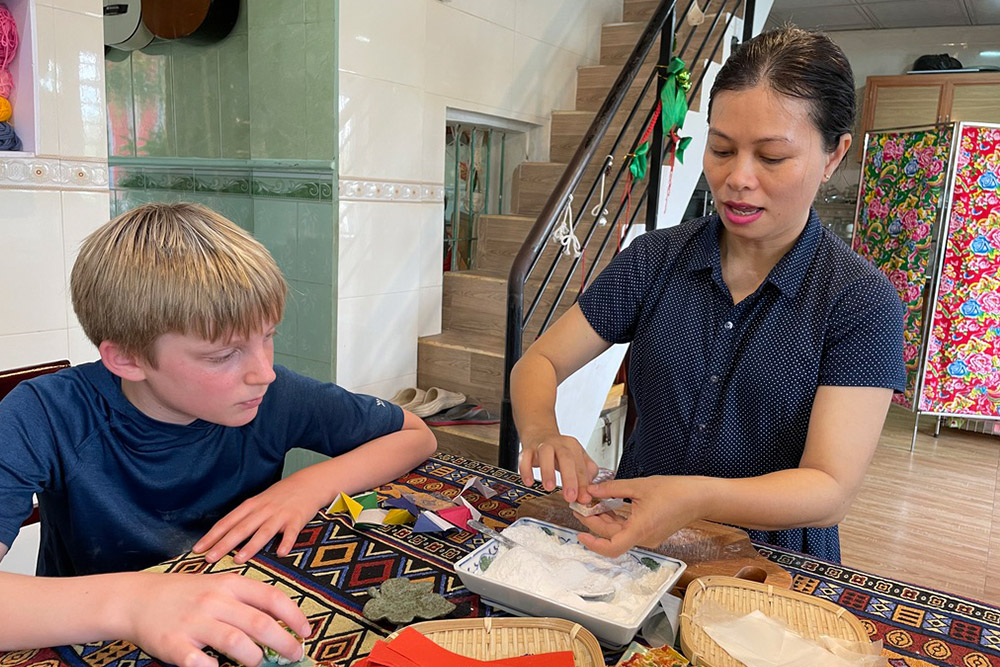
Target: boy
(175,441)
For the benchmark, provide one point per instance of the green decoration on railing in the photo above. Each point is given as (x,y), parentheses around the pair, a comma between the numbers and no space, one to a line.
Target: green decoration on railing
(672,108)
(673,103)
(640,161)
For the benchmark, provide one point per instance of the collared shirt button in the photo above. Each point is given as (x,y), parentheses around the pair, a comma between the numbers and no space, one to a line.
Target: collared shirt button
(728,325)
(714,379)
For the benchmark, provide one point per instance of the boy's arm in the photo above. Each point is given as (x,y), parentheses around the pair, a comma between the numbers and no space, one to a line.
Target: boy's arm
(170,616)
(288,505)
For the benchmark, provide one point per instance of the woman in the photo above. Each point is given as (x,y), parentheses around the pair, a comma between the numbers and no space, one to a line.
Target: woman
(764,352)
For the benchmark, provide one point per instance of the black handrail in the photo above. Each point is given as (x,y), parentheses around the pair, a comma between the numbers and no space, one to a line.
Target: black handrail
(661,24)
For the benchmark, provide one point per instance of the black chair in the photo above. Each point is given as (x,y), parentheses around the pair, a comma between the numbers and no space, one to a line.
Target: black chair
(10,379)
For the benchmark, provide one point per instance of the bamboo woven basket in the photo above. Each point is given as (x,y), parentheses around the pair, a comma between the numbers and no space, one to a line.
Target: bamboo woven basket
(492,638)
(808,616)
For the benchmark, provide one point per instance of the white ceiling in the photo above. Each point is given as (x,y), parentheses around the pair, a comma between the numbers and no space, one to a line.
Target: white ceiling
(830,15)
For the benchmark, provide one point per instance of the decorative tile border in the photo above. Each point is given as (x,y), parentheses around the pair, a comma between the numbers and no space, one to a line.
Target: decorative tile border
(53,173)
(394,191)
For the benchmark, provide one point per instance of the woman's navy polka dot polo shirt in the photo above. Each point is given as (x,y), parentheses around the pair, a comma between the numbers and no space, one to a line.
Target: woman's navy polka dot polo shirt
(726,390)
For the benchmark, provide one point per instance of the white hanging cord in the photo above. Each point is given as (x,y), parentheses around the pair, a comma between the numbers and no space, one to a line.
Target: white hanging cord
(695,15)
(597,211)
(564,234)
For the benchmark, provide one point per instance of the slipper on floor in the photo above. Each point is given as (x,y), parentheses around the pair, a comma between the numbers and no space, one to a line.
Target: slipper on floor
(408,398)
(436,400)
(466,413)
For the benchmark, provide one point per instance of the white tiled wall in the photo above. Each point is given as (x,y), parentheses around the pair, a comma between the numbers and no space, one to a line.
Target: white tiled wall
(43,221)
(401,67)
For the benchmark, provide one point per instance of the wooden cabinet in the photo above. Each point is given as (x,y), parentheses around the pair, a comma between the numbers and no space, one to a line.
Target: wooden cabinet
(924,99)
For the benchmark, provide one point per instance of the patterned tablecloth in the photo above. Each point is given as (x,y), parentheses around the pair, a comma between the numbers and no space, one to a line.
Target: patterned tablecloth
(333,564)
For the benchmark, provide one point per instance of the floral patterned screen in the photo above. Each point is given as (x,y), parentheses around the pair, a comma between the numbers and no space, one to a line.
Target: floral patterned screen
(962,371)
(902,183)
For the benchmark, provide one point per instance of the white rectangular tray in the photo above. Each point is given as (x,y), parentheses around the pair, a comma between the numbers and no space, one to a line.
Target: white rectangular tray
(523,602)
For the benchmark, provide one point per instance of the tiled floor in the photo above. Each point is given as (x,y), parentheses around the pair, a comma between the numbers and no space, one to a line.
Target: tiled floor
(930,517)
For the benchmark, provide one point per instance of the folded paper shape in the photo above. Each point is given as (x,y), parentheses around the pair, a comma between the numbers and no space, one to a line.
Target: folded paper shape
(403,503)
(398,517)
(429,522)
(476,514)
(479,485)
(457,516)
(364,510)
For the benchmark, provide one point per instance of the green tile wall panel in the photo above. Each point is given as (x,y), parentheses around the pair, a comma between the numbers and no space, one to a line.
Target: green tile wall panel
(234,96)
(121,107)
(275,225)
(320,11)
(316,243)
(277,90)
(315,322)
(152,90)
(287,340)
(265,13)
(196,101)
(297,459)
(320,123)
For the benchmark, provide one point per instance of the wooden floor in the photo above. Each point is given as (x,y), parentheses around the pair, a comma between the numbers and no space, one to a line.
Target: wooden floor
(930,518)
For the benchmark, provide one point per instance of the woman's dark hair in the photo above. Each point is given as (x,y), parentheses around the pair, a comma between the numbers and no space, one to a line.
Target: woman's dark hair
(801,64)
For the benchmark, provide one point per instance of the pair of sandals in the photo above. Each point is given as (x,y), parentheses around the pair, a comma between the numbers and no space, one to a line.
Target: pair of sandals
(440,407)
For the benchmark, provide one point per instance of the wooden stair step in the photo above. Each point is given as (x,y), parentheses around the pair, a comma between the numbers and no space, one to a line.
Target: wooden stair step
(479,442)
(639,10)
(501,238)
(475,303)
(618,40)
(468,362)
(534,183)
(593,83)
(570,127)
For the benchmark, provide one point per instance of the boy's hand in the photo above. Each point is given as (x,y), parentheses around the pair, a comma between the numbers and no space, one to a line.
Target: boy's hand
(176,615)
(285,507)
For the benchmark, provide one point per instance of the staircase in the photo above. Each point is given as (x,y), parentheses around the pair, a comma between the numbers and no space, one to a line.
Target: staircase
(468,355)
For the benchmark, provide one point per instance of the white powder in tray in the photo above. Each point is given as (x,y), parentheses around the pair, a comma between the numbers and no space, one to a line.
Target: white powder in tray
(552,569)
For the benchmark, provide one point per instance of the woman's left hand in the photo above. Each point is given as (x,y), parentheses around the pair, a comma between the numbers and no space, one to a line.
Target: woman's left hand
(661,506)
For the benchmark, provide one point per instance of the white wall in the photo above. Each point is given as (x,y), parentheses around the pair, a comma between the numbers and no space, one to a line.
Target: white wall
(56,191)
(892,52)
(401,66)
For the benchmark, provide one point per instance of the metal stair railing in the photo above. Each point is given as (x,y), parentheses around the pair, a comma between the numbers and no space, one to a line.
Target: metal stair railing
(662,24)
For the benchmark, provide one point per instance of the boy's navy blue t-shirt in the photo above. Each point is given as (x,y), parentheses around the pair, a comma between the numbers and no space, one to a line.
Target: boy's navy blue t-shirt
(726,390)
(121,491)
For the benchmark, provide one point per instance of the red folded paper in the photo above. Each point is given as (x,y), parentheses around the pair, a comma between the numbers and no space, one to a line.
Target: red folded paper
(412,649)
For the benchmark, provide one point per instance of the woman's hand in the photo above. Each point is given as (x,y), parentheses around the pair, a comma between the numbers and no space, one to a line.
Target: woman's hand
(565,454)
(660,507)
(174,616)
(285,507)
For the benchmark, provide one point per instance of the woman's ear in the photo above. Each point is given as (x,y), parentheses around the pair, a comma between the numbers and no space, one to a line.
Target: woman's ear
(834,159)
(122,363)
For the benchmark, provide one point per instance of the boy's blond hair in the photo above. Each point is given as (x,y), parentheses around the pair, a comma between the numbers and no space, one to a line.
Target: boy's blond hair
(173,268)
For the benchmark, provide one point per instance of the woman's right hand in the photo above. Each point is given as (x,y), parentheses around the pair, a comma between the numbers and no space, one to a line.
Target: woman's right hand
(174,616)
(563,453)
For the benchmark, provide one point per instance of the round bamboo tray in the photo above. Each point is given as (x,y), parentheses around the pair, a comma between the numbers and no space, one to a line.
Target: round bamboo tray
(808,616)
(492,638)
